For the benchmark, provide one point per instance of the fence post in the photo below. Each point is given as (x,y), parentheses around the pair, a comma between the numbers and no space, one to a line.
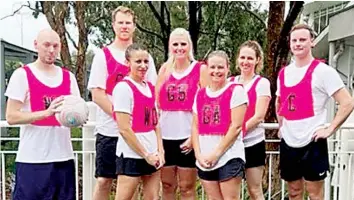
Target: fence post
(88,158)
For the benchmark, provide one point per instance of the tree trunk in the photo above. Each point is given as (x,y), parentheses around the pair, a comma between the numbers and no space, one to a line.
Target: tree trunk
(277,55)
(275,23)
(80,73)
(56,13)
(165,27)
(195,20)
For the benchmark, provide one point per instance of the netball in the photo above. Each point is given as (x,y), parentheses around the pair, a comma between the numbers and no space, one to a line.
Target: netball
(74,111)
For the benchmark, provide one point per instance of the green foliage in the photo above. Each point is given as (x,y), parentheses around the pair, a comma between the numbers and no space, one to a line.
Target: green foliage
(10,67)
(225,25)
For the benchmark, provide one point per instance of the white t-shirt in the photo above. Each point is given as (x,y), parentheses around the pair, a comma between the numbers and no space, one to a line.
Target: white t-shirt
(98,76)
(208,143)
(125,103)
(40,144)
(262,89)
(177,125)
(325,82)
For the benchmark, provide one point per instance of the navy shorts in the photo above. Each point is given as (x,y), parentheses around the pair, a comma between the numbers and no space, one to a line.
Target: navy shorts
(309,162)
(255,155)
(106,156)
(233,168)
(174,156)
(133,167)
(45,181)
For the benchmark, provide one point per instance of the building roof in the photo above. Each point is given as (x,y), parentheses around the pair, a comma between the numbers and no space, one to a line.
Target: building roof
(318,5)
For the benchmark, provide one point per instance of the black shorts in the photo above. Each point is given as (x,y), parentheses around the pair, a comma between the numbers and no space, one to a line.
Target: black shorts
(174,156)
(255,155)
(106,156)
(309,162)
(36,181)
(233,168)
(133,167)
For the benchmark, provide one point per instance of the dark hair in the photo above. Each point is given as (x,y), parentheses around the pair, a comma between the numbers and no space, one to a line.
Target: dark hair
(133,47)
(303,26)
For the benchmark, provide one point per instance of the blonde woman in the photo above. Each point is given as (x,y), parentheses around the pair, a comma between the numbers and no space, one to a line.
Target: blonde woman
(178,81)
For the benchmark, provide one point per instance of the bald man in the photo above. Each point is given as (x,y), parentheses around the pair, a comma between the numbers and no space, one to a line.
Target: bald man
(44,162)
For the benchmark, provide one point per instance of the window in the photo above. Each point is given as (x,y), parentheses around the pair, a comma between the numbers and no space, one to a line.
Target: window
(321,17)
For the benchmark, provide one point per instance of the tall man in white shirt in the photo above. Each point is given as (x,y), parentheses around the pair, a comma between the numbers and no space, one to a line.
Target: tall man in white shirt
(304,88)
(45,161)
(109,68)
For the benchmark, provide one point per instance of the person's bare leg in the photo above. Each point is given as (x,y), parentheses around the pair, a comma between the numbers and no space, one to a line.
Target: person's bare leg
(231,189)
(315,189)
(296,189)
(169,182)
(102,188)
(254,182)
(187,178)
(151,186)
(212,189)
(126,186)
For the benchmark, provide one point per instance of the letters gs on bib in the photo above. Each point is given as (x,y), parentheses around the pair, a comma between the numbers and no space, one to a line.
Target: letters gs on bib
(177,92)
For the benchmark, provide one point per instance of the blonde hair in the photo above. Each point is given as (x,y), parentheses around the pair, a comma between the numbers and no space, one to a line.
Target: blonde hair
(254,45)
(124,10)
(221,54)
(171,61)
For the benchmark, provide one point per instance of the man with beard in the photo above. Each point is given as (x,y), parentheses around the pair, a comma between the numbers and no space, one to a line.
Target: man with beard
(45,161)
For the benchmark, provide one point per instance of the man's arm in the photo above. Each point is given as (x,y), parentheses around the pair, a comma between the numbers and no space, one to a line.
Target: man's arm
(14,115)
(346,105)
(100,97)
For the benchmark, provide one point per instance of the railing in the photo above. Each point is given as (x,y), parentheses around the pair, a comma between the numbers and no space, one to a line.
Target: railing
(339,185)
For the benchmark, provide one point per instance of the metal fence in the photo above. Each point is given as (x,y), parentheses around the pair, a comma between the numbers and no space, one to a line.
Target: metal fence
(339,184)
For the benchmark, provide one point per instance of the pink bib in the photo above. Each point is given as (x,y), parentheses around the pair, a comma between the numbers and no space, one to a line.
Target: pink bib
(144,116)
(116,71)
(252,101)
(178,94)
(214,113)
(297,101)
(41,95)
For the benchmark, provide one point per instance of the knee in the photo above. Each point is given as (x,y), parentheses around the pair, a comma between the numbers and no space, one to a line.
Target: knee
(255,191)
(168,186)
(104,183)
(212,197)
(316,194)
(187,188)
(151,196)
(295,192)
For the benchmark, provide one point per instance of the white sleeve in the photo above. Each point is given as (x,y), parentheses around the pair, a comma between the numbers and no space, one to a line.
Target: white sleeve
(239,97)
(331,81)
(98,73)
(74,87)
(152,74)
(263,88)
(123,98)
(278,88)
(17,88)
(194,107)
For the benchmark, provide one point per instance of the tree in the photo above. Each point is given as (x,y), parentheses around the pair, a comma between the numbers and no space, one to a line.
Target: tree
(277,56)
(58,14)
